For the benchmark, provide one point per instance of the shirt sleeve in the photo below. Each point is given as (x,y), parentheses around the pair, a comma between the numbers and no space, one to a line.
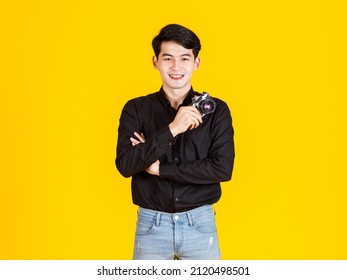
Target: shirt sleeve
(218,166)
(130,159)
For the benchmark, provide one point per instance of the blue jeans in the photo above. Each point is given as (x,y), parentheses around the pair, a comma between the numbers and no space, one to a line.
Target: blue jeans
(190,235)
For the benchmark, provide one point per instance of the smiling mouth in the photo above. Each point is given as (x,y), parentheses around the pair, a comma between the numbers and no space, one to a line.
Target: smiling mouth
(176,76)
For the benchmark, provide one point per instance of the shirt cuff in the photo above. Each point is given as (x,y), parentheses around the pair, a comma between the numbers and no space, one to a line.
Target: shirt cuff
(165,137)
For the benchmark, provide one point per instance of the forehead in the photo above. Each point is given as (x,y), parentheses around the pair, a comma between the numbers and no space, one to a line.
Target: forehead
(172,48)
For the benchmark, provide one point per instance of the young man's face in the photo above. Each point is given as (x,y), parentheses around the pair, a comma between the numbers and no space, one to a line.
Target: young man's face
(176,65)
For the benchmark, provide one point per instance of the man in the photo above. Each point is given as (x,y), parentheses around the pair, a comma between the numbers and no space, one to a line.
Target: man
(176,156)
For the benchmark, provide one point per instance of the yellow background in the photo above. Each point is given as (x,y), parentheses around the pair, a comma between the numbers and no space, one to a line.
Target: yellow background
(68,67)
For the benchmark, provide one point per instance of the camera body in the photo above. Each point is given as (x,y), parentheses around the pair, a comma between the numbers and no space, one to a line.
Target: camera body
(204,103)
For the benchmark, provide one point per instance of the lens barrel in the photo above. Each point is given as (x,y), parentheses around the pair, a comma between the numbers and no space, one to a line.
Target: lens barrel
(204,103)
(207,106)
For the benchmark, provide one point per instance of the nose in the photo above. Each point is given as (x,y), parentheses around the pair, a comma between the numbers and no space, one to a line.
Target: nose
(175,64)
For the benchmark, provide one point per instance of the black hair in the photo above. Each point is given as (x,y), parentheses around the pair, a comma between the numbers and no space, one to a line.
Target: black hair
(178,34)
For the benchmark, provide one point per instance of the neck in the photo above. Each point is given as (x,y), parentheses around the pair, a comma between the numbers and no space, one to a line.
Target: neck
(176,96)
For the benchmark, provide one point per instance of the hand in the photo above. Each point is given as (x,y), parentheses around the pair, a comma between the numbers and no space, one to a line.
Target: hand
(140,138)
(154,168)
(188,117)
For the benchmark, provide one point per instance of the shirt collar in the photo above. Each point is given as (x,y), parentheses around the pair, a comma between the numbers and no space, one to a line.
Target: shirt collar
(187,100)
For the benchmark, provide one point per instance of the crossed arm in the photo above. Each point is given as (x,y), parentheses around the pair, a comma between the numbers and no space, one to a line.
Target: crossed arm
(140,138)
(187,117)
(137,152)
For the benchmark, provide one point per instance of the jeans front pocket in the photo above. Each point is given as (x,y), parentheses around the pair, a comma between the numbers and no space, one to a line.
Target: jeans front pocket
(205,223)
(145,225)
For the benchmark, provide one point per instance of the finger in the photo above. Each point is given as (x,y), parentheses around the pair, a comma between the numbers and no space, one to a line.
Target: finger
(141,137)
(195,112)
(196,122)
(198,116)
(193,109)
(134,141)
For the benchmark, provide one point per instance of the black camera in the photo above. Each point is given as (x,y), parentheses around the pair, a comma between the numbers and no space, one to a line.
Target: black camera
(204,103)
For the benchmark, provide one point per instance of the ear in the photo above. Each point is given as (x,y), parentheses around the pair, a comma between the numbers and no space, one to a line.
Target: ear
(155,62)
(197,63)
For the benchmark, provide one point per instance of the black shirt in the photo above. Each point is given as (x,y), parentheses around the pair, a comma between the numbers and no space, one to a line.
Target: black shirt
(192,164)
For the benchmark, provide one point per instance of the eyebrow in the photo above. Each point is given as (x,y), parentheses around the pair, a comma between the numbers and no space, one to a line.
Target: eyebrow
(185,54)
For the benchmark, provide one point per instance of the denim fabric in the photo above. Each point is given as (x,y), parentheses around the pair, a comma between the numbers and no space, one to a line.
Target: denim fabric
(190,235)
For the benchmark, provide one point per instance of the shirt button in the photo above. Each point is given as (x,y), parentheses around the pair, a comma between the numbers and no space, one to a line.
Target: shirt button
(176,199)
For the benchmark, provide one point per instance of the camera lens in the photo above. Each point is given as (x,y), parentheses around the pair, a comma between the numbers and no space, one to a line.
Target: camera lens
(207,107)
(204,103)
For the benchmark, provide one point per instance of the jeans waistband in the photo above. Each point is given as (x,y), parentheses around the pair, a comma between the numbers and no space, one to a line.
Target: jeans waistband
(183,217)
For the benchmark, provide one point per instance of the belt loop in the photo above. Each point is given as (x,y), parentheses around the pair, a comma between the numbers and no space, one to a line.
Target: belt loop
(157,222)
(190,219)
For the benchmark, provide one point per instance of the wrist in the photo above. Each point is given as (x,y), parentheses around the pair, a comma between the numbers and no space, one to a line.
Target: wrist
(173,130)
